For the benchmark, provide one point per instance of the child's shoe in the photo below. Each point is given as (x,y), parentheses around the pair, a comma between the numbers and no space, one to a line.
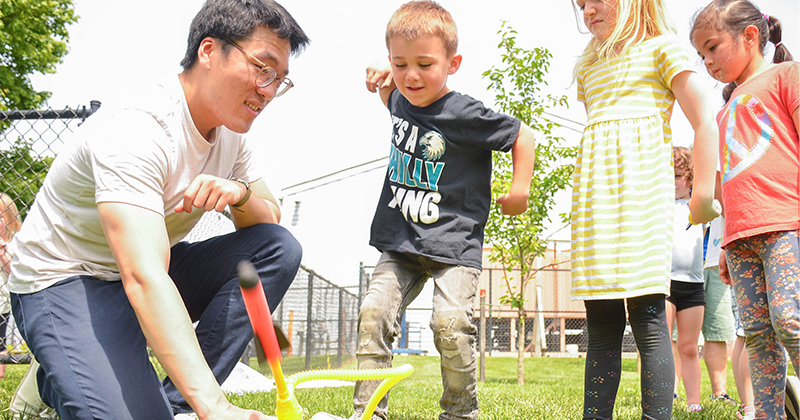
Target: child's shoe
(746,413)
(692,408)
(723,398)
(792,398)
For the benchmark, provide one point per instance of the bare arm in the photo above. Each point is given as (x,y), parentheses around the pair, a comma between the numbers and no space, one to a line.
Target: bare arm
(139,243)
(687,90)
(523,154)
(379,79)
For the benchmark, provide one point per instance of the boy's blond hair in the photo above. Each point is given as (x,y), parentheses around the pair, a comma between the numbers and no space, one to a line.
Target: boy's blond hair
(637,21)
(418,19)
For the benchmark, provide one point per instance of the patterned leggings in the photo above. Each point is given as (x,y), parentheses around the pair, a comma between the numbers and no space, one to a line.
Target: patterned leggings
(766,280)
(605,320)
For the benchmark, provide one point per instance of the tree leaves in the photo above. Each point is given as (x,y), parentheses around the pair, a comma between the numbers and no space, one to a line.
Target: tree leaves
(33,38)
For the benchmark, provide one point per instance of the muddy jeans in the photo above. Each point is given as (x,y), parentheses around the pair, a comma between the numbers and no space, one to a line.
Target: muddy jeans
(396,282)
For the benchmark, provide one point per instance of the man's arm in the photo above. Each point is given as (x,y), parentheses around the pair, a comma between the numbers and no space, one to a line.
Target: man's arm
(262,207)
(139,243)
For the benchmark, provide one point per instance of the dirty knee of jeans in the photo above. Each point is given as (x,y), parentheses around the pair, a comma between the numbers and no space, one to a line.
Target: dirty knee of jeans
(364,338)
(451,340)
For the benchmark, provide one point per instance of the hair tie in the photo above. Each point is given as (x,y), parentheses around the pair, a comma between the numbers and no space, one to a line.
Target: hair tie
(778,44)
(766,16)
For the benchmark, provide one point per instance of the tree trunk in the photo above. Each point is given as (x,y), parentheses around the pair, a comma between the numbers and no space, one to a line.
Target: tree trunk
(521,347)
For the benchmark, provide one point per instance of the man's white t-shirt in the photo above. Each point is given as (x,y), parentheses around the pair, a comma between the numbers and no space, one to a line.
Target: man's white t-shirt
(145,154)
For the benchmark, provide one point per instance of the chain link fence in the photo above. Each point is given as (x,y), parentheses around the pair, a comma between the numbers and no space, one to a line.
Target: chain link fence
(561,321)
(318,317)
(29,140)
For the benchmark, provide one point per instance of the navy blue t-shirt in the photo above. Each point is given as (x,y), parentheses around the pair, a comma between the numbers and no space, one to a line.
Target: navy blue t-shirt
(436,196)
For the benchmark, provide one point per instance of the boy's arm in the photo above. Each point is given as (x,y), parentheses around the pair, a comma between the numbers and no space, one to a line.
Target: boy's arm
(688,92)
(523,154)
(379,79)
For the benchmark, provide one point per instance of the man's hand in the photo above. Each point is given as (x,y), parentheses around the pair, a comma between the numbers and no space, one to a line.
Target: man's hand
(512,205)
(724,274)
(235,413)
(211,193)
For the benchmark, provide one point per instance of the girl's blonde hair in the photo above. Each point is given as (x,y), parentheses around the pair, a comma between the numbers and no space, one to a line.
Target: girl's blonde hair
(637,21)
(425,18)
(10,215)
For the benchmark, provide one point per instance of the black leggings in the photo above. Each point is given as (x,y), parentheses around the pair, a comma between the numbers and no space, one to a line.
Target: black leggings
(605,320)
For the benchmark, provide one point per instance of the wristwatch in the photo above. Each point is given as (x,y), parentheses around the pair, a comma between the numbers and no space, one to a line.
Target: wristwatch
(247,193)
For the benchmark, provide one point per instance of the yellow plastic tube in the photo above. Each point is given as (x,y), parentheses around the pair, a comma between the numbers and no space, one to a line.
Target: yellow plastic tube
(390,376)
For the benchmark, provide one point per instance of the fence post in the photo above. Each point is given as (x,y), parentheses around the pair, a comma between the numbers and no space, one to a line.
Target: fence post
(490,322)
(340,348)
(482,333)
(309,320)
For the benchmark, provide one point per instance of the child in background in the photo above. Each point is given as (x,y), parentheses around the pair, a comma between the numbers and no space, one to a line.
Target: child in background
(760,169)
(623,193)
(9,225)
(434,204)
(718,320)
(686,301)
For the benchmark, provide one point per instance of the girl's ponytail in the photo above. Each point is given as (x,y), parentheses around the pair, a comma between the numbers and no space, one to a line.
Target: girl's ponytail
(781,52)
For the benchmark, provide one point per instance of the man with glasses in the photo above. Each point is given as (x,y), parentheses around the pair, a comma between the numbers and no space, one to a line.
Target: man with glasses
(100,270)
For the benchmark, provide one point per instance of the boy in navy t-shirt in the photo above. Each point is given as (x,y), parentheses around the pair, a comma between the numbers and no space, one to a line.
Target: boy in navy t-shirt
(429,222)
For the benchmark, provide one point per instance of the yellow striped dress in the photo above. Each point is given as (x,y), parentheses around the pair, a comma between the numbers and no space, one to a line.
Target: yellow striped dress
(623,193)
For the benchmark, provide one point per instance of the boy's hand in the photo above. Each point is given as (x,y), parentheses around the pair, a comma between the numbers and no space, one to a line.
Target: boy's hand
(724,274)
(513,204)
(379,76)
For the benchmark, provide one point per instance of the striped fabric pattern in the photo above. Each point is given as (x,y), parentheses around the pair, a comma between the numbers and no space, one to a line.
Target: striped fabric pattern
(623,187)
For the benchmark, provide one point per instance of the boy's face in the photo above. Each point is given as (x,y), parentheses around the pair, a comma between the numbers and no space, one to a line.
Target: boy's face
(683,186)
(420,68)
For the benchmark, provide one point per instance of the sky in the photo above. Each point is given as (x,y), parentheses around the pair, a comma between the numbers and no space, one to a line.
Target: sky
(329,122)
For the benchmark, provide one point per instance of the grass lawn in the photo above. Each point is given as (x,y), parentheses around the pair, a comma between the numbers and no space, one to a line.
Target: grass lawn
(553,391)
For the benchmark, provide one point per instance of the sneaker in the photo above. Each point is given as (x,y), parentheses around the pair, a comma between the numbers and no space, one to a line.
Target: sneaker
(723,398)
(792,398)
(693,408)
(746,413)
(356,416)
(193,416)
(26,404)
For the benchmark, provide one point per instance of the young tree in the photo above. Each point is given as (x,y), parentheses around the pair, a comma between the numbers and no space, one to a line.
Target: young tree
(33,38)
(517,241)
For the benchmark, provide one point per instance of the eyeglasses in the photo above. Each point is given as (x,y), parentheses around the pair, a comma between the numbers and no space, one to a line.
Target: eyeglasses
(267,74)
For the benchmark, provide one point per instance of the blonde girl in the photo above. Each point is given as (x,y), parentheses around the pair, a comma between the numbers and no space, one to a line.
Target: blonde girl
(760,170)
(10,225)
(629,76)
